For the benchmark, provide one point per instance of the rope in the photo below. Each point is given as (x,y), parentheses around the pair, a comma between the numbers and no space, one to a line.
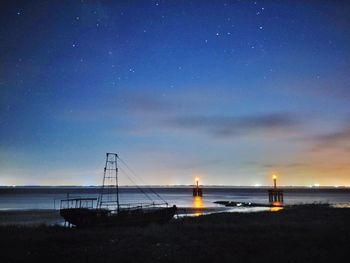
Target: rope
(132,171)
(136,184)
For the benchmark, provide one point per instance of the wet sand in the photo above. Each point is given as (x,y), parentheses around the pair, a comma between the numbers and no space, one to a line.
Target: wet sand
(30,217)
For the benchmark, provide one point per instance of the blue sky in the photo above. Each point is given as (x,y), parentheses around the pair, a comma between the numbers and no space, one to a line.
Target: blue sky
(230,91)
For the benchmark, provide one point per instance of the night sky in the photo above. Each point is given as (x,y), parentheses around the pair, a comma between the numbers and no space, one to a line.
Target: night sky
(229,91)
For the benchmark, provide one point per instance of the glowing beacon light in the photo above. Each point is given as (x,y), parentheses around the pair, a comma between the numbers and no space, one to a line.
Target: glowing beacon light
(274,177)
(275,195)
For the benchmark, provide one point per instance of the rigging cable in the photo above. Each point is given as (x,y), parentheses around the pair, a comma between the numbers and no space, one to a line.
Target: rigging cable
(131,170)
(141,190)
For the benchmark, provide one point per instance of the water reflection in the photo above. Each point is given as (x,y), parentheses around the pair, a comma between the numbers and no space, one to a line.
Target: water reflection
(276,209)
(197,204)
(277,206)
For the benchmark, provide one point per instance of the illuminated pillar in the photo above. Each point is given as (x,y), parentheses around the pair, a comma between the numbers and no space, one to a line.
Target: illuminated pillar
(275,195)
(196,190)
(274,177)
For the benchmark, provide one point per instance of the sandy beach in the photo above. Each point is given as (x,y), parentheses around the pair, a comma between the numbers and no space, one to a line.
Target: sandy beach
(297,234)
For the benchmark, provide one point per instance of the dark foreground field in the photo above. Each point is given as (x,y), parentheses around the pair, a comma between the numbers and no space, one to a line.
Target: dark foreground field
(304,234)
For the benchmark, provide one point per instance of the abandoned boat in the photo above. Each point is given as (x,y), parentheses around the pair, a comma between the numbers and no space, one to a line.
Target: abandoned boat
(82,212)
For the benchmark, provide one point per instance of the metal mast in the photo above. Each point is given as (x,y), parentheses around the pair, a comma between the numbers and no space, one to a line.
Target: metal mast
(109,194)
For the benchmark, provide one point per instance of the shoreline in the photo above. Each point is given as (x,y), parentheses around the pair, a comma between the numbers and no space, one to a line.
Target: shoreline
(50,217)
(32,217)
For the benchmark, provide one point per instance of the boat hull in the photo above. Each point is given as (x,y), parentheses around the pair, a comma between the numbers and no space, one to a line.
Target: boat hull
(84,217)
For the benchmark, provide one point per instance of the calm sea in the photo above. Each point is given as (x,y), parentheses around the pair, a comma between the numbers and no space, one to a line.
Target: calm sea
(23,198)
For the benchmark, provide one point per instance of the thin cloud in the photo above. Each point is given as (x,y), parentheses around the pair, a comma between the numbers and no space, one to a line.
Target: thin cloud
(292,165)
(144,103)
(336,140)
(223,126)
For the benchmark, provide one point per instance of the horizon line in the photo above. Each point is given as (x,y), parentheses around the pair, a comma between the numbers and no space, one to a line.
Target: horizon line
(189,185)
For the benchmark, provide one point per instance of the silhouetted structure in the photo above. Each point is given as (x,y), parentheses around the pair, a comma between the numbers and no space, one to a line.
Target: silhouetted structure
(196,190)
(108,211)
(275,194)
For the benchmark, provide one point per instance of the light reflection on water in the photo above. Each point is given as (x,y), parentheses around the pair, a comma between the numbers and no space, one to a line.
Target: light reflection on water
(199,208)
(276,209)
(253,209)
(197,204)
(346,205)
